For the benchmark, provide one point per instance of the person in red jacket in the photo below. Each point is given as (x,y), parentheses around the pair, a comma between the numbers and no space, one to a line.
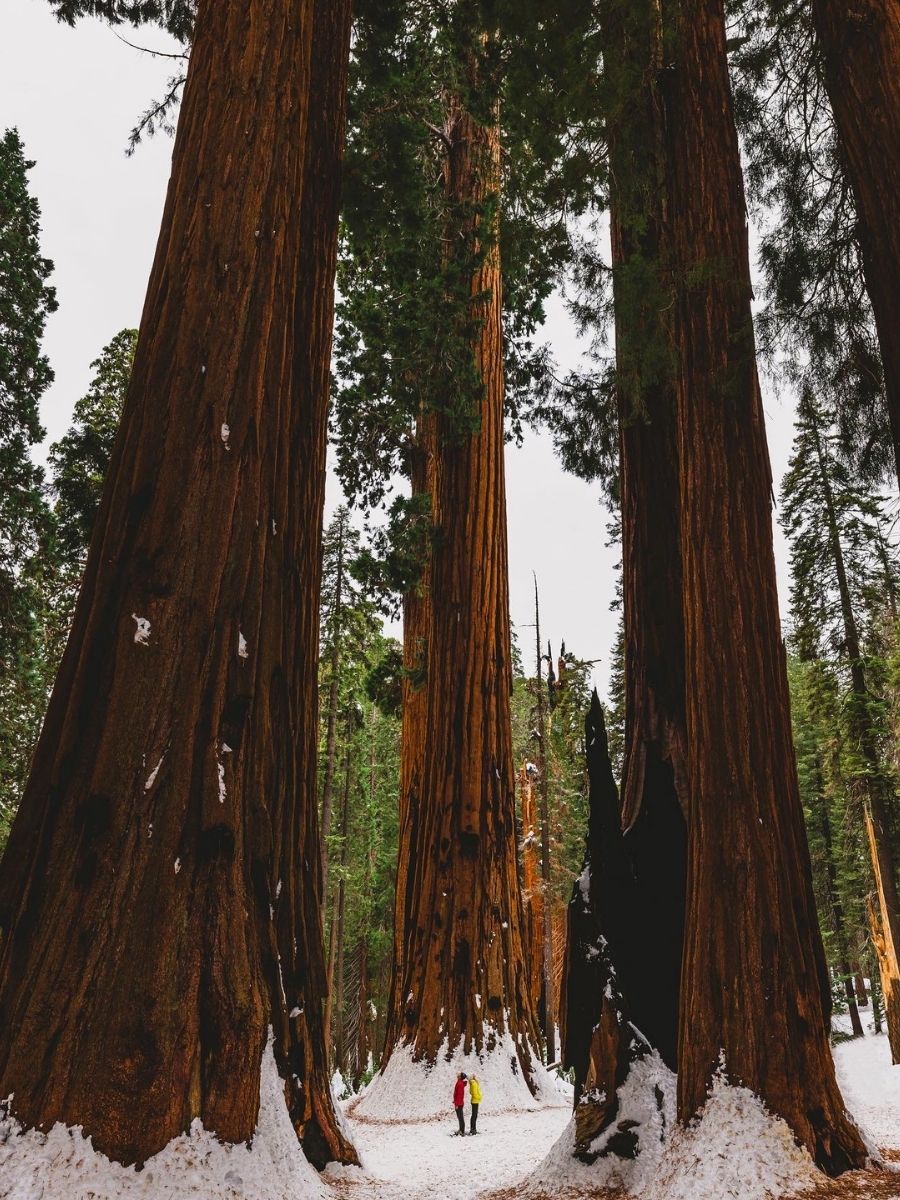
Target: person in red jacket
(459,1101)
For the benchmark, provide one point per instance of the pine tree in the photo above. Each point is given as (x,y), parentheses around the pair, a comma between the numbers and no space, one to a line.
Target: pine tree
(26,300)
(172,800)
(834,529)
(817,313)
(860,54)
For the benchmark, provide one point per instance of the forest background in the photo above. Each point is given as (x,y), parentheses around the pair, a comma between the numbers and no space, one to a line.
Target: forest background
(101,243)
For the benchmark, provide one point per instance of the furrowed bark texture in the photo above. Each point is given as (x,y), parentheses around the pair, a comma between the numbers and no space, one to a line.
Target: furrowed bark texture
(655,791)
(753,988)
(416,626)
(886,952)
(860,45)
(463,914)
(172,799)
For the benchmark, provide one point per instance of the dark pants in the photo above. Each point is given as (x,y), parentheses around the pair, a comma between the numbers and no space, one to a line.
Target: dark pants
(461,1119)
(474,1122)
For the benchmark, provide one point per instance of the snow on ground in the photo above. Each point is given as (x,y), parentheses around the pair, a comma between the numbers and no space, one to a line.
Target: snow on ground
(63,1165)
(871,1088)
(415,1091)
(424,1161)
(736,1148)
(736,1151)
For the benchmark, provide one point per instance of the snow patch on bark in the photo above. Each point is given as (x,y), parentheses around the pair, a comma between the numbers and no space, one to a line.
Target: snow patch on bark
(735,1147)
(63,1165)
(142,633)
(407,1090)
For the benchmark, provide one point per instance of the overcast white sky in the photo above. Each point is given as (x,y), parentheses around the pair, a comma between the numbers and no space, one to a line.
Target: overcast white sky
(74,95)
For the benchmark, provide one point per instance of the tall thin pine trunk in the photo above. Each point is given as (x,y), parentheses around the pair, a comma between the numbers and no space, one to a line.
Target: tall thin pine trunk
(860,46)
(171,809)
(333,696)
(745,820)
(333,1012)
(838,922)
(549,996)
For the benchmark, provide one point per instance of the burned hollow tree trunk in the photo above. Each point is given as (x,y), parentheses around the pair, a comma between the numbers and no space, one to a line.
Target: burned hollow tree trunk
(160,900)
(745,820)
(655,787)
(464,977)
(600,1042)
(860,48)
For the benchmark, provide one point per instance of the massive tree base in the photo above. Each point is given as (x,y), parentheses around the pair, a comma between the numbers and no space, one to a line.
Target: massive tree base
(418,1090)
(194,1166)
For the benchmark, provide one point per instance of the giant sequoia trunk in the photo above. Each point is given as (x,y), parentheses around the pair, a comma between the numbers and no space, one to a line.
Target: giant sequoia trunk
(654,775)
(416,625)
(160,899)
(463,972)
(753,961)
(860,46)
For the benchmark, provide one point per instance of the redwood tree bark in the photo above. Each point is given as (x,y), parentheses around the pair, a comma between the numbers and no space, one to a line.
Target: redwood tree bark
(160,897)
(462,921)
(655,793)
(416,628)
(752,982)
(860,45)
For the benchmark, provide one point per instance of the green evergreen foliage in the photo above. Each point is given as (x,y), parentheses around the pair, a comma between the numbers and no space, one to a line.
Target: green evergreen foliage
(406,319)
(80,459)
(175,16)
(816,320)
(567,696)
(26,300)
(367,762)
(843,589)
(817,484)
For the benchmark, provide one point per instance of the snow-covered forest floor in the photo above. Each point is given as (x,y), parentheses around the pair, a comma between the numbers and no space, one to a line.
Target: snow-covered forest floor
(738,1152)
(422,1160)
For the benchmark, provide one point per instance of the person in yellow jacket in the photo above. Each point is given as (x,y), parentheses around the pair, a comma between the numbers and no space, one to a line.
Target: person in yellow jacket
(475,1099)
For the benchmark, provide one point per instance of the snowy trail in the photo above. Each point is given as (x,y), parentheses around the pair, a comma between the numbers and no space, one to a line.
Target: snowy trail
(422,1161)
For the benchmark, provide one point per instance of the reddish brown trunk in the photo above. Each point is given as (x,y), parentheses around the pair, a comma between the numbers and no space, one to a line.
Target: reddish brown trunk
(752,963)
(860,45)
(655,790)
(463,915)
(172,798)
(416,625)
(886,951)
